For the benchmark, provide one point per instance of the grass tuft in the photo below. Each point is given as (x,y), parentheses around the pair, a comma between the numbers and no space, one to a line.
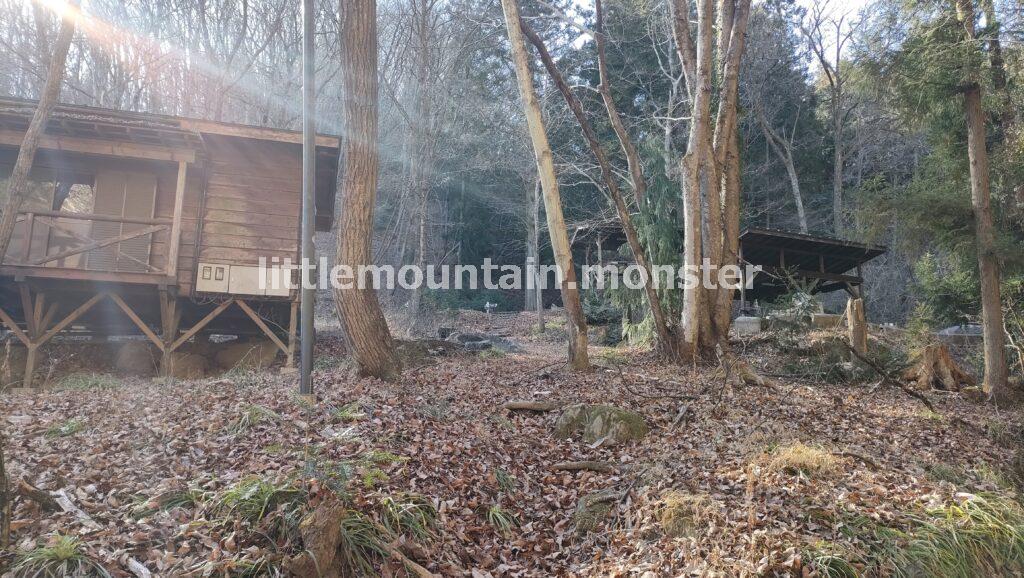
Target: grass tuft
(83,381)
(501,520)
(65,428)
(253,498)
(800,459)
(681,514)
(362,542)
(63,556)
(410,514)
(349,412)
(180,498)
(252,416)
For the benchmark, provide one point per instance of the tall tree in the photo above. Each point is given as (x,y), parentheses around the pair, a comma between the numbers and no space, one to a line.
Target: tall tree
(711,158)
(577,325)
(981,202)
(16,187)
(366,330)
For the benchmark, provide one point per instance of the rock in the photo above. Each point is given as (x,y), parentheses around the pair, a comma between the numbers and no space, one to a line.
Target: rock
(256,354)
(477,345)
(827,320)
(186,365)
(744,326)
(592,508)
(601,424)
(136,358)
(12,364)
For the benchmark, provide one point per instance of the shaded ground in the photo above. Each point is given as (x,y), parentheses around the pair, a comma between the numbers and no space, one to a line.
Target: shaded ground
(113,447)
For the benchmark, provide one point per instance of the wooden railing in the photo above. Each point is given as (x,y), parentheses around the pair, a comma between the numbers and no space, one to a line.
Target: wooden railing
(83,242)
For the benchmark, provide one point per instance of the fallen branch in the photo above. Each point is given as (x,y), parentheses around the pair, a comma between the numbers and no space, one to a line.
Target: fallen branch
(65,503)
(41,497)
(531,405)
(409,564)
(138,569)
(890,380)
(590,466)
(866,460)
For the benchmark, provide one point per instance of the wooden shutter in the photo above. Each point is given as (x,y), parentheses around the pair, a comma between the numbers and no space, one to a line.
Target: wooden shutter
(122,194)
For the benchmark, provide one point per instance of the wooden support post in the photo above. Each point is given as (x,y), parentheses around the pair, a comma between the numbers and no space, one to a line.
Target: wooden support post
(170,318)
(137,321)
(198,326)
(263,326)
(173,244)
(28,308)
(858,326)
(293,326)
(30,226)
(41,335)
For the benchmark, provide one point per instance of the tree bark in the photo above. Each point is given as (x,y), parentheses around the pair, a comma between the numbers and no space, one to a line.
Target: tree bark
(784,151)
(996,369)
(16,188)
(366,330)
(577,324)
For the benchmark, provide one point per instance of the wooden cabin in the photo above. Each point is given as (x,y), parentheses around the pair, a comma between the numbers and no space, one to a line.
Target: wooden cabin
(155,225)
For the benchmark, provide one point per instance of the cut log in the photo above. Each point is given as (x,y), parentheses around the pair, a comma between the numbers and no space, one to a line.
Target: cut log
(935,368)
(41,497)
(603,467)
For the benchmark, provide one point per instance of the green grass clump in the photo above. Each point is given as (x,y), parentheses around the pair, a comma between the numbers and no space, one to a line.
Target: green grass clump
(501,520)
(80,381)
(349,412)
(383,457)
(492,353)
(830,565)
(252,416)
(325,362)
(979,535)
(63,556)
(408,514)
(506,481)
(254,498)
(362,542)
(169,500)
(65,428)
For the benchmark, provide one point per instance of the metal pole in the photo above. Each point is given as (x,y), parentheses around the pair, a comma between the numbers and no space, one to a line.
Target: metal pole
(308,195)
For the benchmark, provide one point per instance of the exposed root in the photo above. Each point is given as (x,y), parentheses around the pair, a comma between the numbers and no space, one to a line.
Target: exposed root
(531,405)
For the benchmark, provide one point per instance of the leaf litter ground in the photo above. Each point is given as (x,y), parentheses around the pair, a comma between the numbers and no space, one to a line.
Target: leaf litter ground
(441,432)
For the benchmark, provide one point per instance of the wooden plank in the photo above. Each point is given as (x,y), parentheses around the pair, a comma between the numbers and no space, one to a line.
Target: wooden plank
(14,327)
(82,309)
(85,239)
(263,326)
(254,132)
(287,233)
(137,321)
(87,275)
(105,218)
(249,219)
(28,309)
(29,230)
(243,256)
(100,244)
(266,207)
(175,240)
(202,323)
(236,242)
(100,147)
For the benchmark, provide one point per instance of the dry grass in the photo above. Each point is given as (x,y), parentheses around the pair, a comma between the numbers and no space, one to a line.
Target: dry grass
(681,514)
(799,458)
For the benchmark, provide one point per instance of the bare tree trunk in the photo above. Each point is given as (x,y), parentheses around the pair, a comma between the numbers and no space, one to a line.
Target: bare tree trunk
(16,188)
(784,151)
(666,339)
(838,222)
(988,263)
(577,325)
(538,198)
(5,499)
(996,369)
(366,330)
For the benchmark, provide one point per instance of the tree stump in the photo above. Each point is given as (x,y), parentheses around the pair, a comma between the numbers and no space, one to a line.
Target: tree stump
(858,325)
(935,368)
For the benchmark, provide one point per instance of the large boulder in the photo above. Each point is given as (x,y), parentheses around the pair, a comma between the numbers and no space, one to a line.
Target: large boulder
(185,365)
(136,358)
(256,354)
(601,424)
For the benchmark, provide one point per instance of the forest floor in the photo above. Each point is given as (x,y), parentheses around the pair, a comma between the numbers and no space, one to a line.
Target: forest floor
(730,480)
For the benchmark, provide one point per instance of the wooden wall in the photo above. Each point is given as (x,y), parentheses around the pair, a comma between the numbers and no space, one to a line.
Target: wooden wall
(253,201)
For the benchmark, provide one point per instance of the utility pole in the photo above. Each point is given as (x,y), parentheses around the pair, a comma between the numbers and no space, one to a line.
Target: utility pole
(308,195)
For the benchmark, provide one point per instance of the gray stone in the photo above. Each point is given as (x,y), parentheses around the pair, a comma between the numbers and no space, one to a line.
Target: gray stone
(136,358)
(255,354)
(603,424)
(743,326)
